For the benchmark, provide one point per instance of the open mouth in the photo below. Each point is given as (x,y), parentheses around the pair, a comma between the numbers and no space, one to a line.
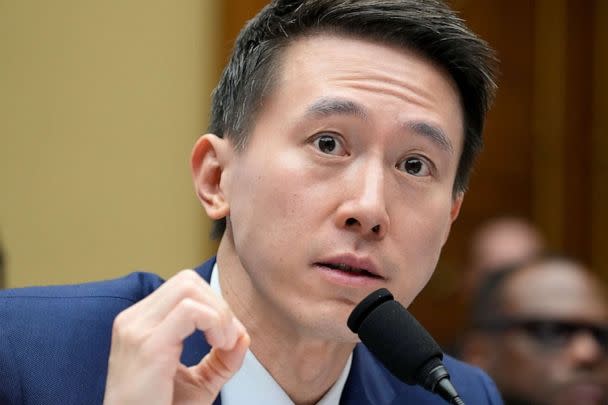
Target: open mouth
(344,268)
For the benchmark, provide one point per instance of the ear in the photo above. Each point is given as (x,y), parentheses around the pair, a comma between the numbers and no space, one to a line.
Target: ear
(209,157)
(454,211)
(456,204)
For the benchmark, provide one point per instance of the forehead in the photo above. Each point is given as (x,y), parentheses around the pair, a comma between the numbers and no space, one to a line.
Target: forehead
(555,289)
(343,53)
(312,64)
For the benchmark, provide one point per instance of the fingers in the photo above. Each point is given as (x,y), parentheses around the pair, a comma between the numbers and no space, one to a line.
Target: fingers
(174,311)
(217,367)
(147,341)
(185,284)
(221,328)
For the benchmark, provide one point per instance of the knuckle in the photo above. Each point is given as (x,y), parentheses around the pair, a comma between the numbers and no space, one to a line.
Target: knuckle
(190,284)
(123,330)
(188,305)
(189,291)
(188,275)
(120,321)
(120,326)
(224,314)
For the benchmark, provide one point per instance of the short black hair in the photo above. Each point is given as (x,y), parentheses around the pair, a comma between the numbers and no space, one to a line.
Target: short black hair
(426,26)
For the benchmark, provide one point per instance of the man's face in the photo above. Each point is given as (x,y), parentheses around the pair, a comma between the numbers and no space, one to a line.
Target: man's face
(553,362)
(345,185)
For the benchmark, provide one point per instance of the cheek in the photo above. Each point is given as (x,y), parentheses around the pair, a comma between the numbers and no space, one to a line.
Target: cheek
(423,226)
(269,204)
(420,232)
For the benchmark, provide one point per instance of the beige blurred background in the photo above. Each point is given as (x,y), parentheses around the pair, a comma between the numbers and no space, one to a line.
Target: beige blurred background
(100,104)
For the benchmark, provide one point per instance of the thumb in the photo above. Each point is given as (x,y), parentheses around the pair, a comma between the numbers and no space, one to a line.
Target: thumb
(217,367)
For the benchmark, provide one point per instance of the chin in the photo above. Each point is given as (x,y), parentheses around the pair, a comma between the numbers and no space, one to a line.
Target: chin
(337,334)
(328,328)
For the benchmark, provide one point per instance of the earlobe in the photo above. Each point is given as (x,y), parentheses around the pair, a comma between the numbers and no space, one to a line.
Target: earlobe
(208,163)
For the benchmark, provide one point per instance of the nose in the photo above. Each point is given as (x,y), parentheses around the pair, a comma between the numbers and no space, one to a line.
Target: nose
(585,350)
(364,207)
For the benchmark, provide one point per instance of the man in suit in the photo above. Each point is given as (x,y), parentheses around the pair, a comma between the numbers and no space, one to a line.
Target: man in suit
(341,139)
(540,328)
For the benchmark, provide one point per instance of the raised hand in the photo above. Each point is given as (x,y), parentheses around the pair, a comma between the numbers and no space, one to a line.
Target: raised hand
(147,340)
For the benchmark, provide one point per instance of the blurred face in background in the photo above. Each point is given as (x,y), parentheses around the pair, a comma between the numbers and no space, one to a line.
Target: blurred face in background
(498,243)
(553,347)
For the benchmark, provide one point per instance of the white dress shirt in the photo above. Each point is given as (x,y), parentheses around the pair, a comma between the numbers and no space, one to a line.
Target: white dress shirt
(253,384)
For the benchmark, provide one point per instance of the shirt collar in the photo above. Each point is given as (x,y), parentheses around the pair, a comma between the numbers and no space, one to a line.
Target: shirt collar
(253,384)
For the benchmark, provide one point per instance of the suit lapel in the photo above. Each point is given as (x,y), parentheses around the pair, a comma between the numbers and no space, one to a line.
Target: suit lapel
(367,382)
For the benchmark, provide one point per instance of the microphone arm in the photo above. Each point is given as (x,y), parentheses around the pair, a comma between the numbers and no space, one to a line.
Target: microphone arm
(398,340)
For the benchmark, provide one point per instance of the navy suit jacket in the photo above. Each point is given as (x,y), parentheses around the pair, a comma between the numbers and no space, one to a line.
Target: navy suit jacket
(55,342)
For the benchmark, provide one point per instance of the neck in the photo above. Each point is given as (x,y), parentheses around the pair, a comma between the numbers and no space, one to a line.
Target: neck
(305,366)
(305,371)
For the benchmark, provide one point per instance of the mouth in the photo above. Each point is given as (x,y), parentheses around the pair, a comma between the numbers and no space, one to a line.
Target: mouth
(349,270)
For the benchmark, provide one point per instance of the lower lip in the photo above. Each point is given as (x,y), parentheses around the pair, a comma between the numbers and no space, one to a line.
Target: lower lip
(348,279)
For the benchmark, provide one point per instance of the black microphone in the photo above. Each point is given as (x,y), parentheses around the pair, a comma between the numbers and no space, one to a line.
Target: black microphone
(398,340)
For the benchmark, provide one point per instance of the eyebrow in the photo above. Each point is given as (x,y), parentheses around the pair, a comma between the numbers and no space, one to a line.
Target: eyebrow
(432,132)
(331,106)
(325,107)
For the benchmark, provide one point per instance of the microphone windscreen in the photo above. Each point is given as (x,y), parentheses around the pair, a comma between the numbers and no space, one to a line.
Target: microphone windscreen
(398,340)
(363,309)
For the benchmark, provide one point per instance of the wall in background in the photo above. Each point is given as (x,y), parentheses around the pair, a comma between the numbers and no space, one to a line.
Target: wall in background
(100,105)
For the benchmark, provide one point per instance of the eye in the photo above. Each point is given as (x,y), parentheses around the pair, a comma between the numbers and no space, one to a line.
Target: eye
(329,144)
(415,166)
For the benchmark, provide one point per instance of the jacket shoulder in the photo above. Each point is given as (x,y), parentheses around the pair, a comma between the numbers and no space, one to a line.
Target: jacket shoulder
(131,288)
(55,341)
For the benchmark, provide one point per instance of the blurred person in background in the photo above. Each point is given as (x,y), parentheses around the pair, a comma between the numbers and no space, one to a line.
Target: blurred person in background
(540,329)
(499,242)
